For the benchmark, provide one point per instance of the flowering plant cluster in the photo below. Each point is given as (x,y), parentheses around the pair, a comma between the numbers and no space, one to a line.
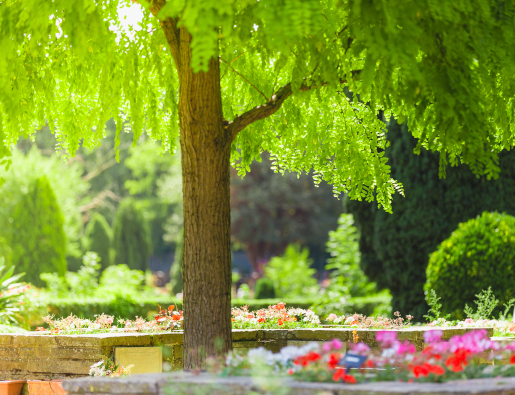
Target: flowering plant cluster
(275,317)
(361,321)
(395,360)
(163,321)
(109,368)
(501,327)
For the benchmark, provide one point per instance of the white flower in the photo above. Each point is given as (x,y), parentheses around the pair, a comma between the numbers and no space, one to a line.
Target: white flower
(260,355)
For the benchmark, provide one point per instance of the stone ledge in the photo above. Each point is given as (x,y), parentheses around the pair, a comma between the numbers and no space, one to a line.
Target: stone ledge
(184,383)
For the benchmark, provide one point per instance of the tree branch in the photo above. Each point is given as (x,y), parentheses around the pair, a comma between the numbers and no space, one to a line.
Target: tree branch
(170,29)
(243,77)
(270,107)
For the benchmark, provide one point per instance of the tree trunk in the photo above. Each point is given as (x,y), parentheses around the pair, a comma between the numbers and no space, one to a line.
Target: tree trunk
(206,261)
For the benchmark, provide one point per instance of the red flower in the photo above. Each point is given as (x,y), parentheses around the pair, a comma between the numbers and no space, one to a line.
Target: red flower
(333,360)
(340,375)
(280,321)
(420,370)
(261,320)
(457,361)
(512,359)
(306,359)
(436,369)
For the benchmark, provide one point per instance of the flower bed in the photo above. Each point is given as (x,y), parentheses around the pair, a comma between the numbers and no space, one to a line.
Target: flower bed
(397,360)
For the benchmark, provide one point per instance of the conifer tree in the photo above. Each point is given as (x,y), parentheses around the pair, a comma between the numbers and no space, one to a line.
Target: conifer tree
(98,238)
(131,236)
(36,236)
(236,78)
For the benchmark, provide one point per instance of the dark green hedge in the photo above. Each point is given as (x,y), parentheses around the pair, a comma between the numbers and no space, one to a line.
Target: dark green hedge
(127,307)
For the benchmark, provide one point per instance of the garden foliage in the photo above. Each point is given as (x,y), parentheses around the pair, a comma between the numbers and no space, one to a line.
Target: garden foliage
(291,273)
(65,181)
(131,236)
(478,255)
(98,238)
(395,247)
(36,233)
(264,288)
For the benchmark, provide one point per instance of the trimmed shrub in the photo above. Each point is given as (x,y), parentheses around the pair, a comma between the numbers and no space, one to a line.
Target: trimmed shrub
(98,238)
(264,289)
(477,255)
(36,234)
(131,236)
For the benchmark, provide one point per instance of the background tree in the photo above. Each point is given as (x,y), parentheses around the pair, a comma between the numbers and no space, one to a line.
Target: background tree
(98,238)
(246,76)
(36,234)
(270,211)
(131,236)
(395,247)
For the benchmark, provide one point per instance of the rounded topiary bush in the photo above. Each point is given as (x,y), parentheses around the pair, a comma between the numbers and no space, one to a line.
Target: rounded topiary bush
(264,289)
(477,255)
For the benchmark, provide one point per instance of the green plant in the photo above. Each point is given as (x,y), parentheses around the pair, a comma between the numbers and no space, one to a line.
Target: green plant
(395,248)
(65,181)
(507,308)
(347,278)
(435,307)
(486,303)
(291,273)
(264,289)
(98,238)
(121,280)
(10,293)
(36,234)
(478,255)
(131,236)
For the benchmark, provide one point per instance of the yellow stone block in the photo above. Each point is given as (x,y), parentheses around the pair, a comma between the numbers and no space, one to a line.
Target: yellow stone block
(144,359)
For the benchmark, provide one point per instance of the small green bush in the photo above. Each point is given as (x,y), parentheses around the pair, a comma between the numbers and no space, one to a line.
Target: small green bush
(292,274)
(131,236)
(98,238)
(264,289)
(36,234)
(479,254)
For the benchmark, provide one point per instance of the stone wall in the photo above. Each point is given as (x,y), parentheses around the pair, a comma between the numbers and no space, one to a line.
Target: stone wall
(183,383)
(39,355)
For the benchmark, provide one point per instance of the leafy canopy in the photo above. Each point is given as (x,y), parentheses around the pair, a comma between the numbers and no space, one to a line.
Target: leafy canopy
(446,67)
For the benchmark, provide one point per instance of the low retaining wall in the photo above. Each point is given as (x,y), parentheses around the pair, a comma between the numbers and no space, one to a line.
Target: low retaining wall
(180,383)
(37,356)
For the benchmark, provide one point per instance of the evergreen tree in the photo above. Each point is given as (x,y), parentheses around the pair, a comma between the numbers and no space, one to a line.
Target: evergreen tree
(98,238)
(131,236)
(36,234)
(395,247)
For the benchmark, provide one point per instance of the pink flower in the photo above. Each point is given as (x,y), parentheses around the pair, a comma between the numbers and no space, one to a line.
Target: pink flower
(432,336)
(360,348)
(331,317)
(386,337)
(469,321)
(405,347)
(334,344)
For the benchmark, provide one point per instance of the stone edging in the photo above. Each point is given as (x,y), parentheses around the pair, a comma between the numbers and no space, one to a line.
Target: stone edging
(184,383)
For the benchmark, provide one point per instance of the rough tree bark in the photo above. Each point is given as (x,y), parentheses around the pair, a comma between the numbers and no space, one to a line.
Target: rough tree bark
(205,148)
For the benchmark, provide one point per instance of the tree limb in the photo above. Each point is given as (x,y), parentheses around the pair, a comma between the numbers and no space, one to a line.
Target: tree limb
(270,107)
(170,29)
(243,77)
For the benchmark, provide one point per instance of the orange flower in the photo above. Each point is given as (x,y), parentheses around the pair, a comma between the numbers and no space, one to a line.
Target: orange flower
(280,322)
(259,320)
(171,307)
